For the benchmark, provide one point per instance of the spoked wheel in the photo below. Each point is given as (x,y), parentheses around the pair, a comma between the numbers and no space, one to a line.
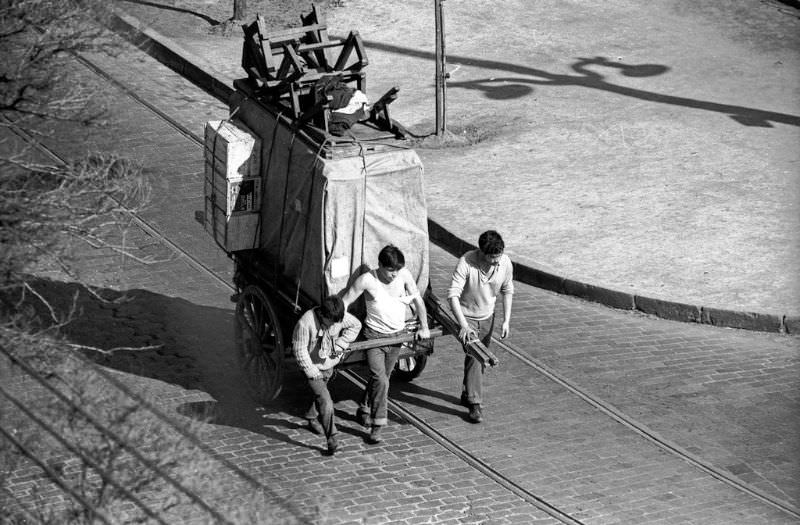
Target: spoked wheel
(259,343)
(409,367)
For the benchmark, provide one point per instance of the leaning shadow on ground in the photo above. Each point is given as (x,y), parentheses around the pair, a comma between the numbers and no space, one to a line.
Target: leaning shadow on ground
(410,393)
(171,340)
(594,73)
(587,75)
(407,393)
(211,21)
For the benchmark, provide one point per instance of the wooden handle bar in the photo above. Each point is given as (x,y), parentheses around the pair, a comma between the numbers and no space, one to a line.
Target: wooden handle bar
(393,340)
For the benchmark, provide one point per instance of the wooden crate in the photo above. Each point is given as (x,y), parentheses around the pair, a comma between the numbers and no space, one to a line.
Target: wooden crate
(232,185)
(239,231)
(231,150)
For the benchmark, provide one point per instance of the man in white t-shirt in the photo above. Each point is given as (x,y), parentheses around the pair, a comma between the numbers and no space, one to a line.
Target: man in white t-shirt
(388,291)
(478,278)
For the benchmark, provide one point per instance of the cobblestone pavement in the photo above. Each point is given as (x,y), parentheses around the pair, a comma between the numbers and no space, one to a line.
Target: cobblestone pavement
(726,397)
(657,160)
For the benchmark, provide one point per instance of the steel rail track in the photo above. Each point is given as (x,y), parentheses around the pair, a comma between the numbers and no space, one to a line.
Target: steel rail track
(116,438)
(476,463)
(194,261)
(647,433)
(417,422)
(468,458)
(104,473)
(631,423)
(55,478)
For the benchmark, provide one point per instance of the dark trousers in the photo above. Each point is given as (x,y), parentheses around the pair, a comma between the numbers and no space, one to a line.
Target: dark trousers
(381,362)
(472,386)
(322,405)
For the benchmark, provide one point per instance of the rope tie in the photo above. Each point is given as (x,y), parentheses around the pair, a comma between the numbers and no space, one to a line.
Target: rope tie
(308,223)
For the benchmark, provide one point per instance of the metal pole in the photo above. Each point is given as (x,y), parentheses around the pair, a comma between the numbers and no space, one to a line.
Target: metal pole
(439,80)
(443,67)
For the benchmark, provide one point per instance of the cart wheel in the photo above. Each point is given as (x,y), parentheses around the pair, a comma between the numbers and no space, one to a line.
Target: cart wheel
(259,343)
(410,367)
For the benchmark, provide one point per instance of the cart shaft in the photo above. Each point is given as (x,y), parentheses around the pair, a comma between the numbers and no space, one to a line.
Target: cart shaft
(393,340)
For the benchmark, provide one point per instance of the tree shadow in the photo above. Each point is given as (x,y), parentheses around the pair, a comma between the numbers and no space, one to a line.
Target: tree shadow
(192,346)
(216,413)
(519,85)
(207,18)
(174,341)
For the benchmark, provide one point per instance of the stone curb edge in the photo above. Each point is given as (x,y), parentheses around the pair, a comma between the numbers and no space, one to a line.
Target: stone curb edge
(664,309)
(170,54)
(217,85)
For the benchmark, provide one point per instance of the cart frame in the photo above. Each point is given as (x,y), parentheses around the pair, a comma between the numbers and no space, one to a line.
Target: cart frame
(266,313)
(283,68)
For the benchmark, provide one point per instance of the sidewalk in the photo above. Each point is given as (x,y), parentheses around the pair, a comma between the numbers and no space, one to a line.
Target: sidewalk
(674,193)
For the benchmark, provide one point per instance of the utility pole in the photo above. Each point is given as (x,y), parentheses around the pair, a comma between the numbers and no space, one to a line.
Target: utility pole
(239,9)
(441,75)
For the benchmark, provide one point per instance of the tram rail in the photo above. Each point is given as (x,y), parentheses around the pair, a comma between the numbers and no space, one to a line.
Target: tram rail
(631,423)
(351,376)
(450,445)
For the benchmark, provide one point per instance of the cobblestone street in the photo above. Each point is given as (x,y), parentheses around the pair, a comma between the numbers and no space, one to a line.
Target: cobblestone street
(728,398)
(612,416)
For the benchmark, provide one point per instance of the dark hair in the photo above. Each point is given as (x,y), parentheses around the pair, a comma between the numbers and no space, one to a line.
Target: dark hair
(491,243)
(391,257)
(332,308)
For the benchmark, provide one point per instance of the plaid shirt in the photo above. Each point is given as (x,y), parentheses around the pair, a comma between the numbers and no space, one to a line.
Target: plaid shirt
(316,348)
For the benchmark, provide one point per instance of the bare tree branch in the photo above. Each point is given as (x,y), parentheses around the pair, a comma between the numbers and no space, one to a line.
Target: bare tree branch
(110,351)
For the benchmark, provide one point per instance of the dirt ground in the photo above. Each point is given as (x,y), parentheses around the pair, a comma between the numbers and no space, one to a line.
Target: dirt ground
(645,147)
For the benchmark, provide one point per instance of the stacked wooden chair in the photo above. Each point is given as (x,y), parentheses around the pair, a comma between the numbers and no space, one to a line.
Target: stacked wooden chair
(285,66)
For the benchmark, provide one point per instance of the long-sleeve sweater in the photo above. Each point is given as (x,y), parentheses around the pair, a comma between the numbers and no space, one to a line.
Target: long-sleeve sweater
(316,348)
(477,291)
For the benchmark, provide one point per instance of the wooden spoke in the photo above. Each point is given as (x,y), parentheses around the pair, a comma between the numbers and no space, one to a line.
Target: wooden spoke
(259,344)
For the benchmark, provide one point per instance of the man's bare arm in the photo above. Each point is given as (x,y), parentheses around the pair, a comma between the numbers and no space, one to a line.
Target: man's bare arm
(355,290)
(422,313)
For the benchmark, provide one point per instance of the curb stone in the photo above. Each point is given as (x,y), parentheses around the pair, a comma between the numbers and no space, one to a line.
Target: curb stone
(172,55)
(204,76)
(686,313)
(664,309)
(791,324)
(744,320)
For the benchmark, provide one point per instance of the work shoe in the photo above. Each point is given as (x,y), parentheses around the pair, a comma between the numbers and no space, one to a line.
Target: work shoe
(333,446)
(363,418)
(375,435)
(315,427)
(475,414)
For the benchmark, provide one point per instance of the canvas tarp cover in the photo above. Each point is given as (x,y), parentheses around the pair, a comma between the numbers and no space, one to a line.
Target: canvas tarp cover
(323,219)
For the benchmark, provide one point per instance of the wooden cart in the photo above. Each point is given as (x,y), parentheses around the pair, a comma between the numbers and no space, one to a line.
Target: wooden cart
(265,316)
(303,211)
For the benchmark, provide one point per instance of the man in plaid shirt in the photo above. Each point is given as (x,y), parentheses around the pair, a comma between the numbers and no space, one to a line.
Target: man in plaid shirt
(319,340)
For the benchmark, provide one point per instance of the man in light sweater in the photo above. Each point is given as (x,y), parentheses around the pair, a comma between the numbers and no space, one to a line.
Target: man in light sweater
(319,340)
(478,278)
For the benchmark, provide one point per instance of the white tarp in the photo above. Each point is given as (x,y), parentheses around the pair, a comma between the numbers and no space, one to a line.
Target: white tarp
(323,219)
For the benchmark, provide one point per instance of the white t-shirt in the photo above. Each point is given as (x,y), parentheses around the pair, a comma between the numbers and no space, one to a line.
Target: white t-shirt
(387,304)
